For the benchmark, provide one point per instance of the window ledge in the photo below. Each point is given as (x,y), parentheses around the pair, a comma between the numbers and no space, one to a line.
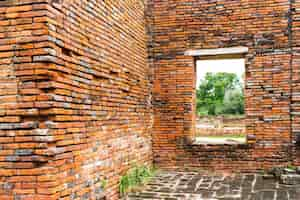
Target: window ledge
(219,51)
(219,141)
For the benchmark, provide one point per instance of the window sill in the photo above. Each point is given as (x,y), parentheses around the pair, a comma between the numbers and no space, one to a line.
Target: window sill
(219,141)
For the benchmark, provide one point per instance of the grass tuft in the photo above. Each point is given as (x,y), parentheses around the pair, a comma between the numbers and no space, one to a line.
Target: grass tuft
(135,177)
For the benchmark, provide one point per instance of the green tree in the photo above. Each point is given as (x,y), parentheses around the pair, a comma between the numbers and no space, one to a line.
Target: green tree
(212,91)
(233,102)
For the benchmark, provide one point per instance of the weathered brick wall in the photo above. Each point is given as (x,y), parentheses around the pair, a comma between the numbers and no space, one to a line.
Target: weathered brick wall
(75,104)
(222,121)
(75,107)
(220,126)
(296,79)
(227,131)
(25,143)
(262,26)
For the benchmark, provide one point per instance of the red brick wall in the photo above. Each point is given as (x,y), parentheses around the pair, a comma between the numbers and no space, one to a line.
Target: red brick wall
(75,107)
(296,79)
(262,26)
(227,131)
(75,104)
(24,141)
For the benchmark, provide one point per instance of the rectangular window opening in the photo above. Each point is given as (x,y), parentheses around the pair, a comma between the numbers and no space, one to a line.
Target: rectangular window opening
(220,107)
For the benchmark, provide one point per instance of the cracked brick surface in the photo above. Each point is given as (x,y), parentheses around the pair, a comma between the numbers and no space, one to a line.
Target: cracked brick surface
(203,186)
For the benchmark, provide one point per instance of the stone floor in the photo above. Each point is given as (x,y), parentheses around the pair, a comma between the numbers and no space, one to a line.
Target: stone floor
(201,186)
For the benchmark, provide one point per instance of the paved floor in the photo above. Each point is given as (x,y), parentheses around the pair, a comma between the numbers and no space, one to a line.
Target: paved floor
(200,186)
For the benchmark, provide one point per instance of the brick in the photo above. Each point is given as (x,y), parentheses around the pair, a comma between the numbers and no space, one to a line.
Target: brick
(18,9)
(9,119)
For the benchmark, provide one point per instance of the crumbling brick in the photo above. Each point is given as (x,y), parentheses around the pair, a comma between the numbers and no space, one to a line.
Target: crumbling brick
(74,97)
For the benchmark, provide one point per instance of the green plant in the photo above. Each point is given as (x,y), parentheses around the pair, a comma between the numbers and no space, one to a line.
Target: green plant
(134,177)
(292,167)
(103,183)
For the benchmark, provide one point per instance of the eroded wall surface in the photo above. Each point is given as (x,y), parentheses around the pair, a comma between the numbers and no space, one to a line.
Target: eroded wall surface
(296,80)
(269,30)
(75,109)
(75,92)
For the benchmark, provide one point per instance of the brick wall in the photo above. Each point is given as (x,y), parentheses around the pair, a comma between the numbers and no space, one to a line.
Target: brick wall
(24,140)
(75,98)
(221,121)
(296,79)
(220,126)
(265,27)
(227,131)
(75,104)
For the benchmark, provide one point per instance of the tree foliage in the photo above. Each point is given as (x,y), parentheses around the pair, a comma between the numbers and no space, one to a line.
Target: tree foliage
(220,94)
